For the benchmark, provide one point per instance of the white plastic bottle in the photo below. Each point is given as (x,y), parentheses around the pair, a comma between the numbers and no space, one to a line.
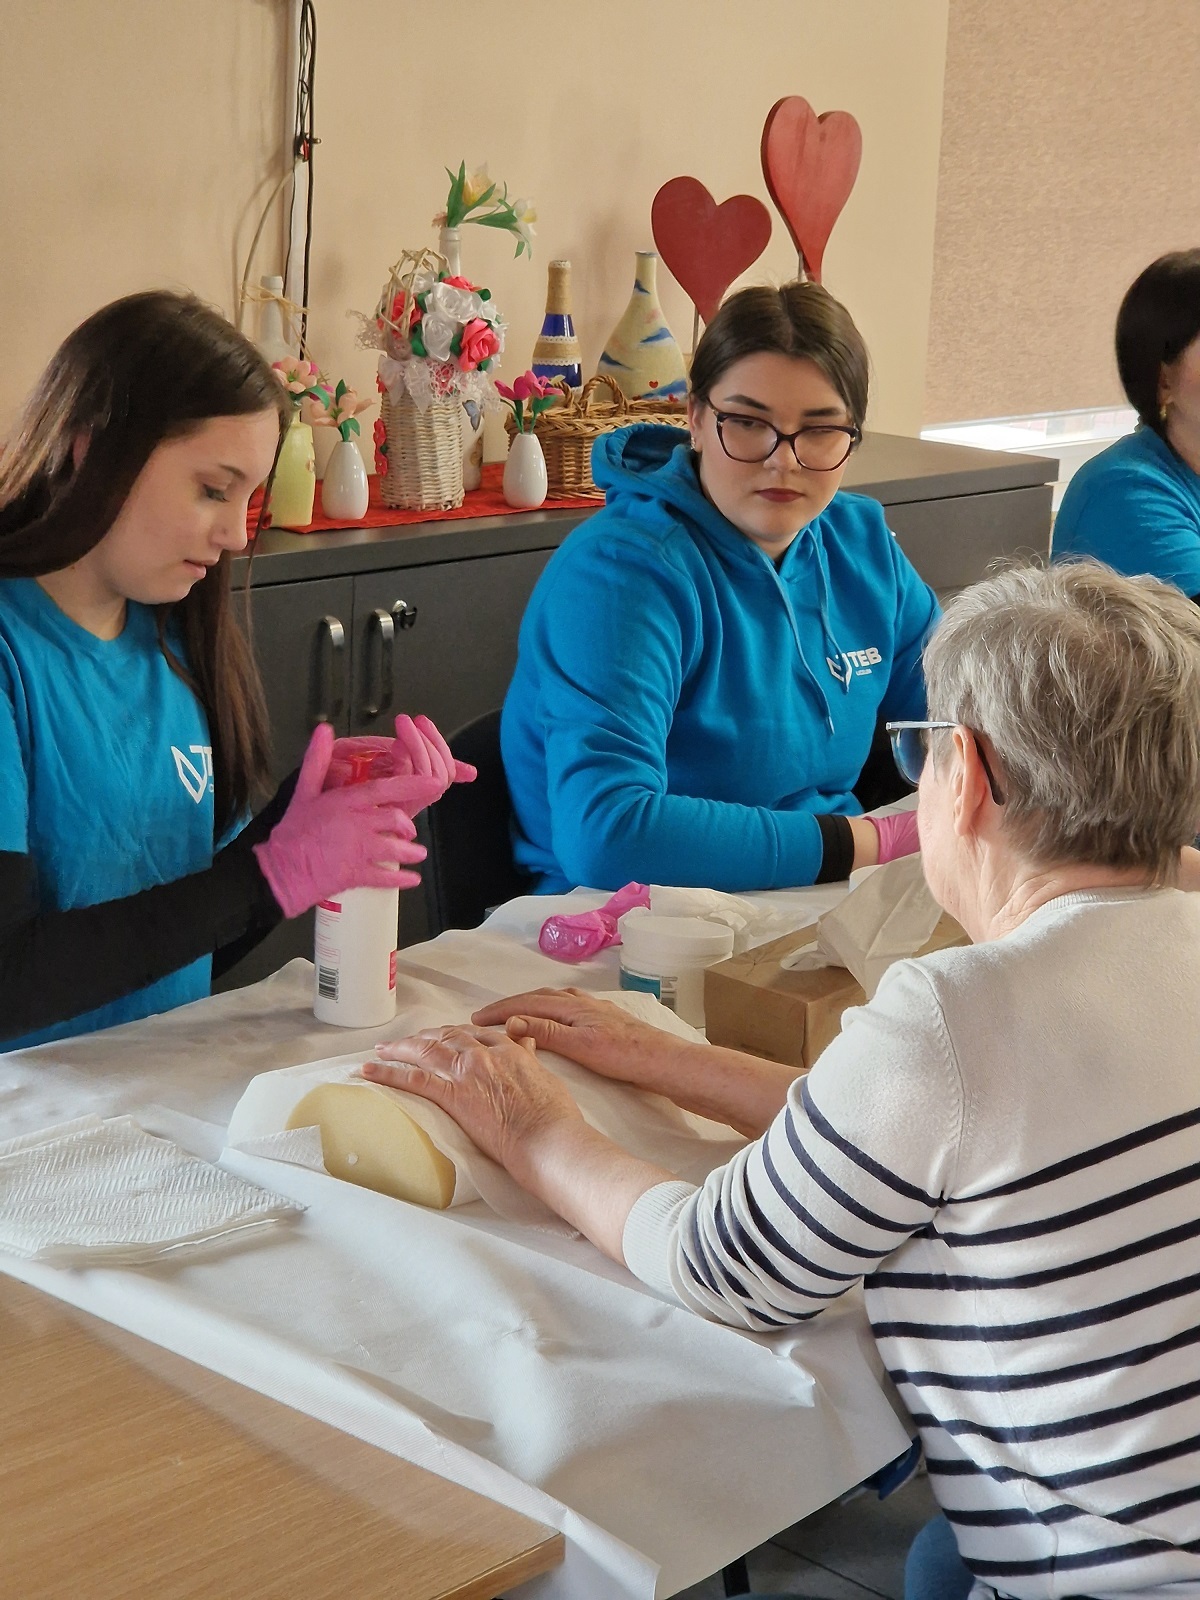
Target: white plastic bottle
(666,957)
(272,340)
(354,949)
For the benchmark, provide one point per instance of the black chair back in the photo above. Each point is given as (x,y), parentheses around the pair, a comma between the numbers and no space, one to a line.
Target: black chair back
(470,866)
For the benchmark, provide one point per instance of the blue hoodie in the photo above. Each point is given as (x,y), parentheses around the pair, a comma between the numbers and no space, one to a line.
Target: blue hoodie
(681,708)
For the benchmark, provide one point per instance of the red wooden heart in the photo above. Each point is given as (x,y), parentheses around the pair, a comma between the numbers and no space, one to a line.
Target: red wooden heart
(810,164)
(706,245)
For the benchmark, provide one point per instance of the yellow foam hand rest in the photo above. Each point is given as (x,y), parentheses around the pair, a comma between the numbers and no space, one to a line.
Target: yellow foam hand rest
(368,1138)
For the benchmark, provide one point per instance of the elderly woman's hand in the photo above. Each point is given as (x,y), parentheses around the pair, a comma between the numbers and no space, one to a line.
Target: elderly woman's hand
(595,1033)
(724,1085)
(495,1088)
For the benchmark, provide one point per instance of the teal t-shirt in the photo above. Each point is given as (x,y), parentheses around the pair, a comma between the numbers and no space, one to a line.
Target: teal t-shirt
(105,775)
(1136,507)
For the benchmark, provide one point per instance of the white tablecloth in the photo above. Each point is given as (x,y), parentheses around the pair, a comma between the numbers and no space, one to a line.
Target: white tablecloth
(661,1445)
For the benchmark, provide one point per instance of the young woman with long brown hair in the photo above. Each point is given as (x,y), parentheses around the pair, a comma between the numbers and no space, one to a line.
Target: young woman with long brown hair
(133,733)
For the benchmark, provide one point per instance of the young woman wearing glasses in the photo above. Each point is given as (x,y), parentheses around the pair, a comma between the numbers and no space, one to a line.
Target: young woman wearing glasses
(703,663)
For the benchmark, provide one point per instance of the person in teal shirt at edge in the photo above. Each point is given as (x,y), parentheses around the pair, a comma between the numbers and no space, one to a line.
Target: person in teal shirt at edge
(703,664)
(1136,506)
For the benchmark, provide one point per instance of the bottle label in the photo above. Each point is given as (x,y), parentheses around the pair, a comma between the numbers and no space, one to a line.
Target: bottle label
(327,949)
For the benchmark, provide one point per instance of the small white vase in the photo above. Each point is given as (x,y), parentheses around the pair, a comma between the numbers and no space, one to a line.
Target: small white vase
(524,480)
(344,488)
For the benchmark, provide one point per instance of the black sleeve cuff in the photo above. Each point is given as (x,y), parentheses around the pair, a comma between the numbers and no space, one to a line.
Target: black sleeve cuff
(837,845)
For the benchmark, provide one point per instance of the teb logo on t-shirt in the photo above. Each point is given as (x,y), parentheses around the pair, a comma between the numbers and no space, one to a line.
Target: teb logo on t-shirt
(854,663)
(197,776)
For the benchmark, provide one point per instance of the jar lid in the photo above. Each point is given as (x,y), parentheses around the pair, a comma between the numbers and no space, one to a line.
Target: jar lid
(662,943)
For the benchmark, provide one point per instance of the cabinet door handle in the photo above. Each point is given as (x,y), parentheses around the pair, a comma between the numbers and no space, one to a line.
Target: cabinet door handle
(381,620)
(404,614)
(331,675)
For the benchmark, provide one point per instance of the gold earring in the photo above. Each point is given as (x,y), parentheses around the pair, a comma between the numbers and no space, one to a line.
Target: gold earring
(1162,411)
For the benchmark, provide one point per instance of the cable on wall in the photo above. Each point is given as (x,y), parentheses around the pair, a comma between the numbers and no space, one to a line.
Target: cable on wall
(304,141)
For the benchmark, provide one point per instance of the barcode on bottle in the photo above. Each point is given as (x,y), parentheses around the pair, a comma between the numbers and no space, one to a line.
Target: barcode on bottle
(327,983)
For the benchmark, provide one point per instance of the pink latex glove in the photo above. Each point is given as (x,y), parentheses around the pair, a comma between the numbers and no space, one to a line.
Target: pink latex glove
(586,933)
(897,835)
(418,753)
(350,838)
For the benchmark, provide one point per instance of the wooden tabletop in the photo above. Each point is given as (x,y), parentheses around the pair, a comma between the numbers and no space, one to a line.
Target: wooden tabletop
(127,1471)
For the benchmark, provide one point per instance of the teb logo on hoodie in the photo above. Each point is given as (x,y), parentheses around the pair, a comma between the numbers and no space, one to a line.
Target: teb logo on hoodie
(854,663)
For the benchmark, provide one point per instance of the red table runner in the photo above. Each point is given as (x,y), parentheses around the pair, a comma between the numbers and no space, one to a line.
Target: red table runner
(486,501)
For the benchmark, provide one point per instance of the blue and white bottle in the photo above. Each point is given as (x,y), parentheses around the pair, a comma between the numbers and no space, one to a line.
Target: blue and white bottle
(641,352)
(556,353)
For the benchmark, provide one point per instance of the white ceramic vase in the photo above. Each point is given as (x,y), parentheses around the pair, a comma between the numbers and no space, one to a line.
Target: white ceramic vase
(524,480)
(344,488)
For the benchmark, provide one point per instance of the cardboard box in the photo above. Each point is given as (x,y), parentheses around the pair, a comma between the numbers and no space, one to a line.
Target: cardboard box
(751,1003)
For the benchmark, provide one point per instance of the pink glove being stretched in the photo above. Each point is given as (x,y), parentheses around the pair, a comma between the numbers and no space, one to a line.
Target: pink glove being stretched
(897,835)
(418,753)
(348,838)
(584,934)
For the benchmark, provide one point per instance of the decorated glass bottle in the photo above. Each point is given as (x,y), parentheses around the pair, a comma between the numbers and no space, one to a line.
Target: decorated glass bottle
(556,353)
(641,353)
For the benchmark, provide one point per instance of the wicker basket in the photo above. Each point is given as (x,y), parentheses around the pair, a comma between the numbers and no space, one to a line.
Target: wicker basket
(424,455)
(568,432)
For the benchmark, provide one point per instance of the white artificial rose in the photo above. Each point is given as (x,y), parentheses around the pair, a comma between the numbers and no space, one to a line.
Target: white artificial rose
(458,304)
(436,334)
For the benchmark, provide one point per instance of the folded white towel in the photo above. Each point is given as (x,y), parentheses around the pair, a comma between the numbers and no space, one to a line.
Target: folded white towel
(105,1192)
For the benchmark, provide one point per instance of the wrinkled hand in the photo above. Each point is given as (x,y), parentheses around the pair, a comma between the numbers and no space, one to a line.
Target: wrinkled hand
(497,1091)
(596,1033)
(417,754)
(330,840)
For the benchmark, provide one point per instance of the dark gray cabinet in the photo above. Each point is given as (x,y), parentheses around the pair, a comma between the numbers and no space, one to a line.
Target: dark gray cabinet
(356,625)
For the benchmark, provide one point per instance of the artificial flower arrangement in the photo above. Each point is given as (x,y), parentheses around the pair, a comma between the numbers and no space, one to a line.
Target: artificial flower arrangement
(302,380)
(337,408)
(529,396)
(473,198)
(438,333)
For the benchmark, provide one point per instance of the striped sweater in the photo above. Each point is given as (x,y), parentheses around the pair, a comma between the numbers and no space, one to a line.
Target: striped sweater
(1005,1146)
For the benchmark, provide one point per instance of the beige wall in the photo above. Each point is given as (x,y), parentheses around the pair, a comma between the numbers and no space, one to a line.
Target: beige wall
(141,137)
(1069,162)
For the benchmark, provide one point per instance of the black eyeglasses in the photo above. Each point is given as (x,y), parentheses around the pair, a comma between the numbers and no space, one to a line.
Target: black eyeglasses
(752,440)
(910,746)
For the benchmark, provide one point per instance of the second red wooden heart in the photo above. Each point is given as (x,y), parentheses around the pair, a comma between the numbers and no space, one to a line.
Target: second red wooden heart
(809,164)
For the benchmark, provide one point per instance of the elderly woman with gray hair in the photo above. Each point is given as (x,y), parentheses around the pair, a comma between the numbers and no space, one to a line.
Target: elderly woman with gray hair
(1003,1145)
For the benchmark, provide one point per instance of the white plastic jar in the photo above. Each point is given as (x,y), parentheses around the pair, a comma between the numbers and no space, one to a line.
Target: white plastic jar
(666,957)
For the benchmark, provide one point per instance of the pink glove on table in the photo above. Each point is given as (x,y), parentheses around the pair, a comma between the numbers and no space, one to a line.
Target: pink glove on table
(336,839)
(586,933)
(418,753)
(897,835)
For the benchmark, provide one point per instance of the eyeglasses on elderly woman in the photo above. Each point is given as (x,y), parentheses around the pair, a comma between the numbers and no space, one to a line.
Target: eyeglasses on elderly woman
(910,746)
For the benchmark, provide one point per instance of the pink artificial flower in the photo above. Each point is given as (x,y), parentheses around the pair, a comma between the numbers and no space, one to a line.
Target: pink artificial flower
(379,432)
(479,343)
(296,376)
(530,387)
(460,282)
(414,311)
(505,393)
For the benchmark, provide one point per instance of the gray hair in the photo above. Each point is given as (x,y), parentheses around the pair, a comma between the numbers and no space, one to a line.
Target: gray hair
(1087,686)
